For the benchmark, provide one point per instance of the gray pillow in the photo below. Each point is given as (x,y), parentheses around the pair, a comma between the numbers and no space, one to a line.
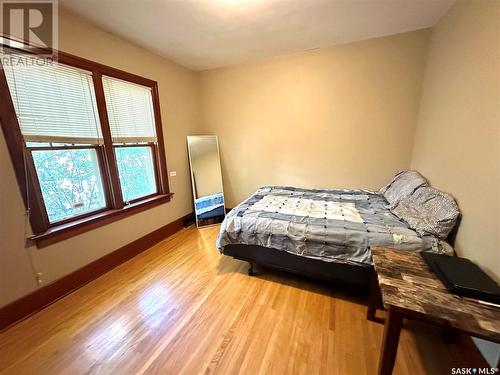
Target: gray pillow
(401,186)
(429,211)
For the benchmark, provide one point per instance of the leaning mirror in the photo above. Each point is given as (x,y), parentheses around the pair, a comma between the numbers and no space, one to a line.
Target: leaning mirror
(206,179)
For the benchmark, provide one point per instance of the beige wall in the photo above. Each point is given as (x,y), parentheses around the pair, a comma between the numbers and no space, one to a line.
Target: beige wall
(458,135)
(339,117)
(178,88)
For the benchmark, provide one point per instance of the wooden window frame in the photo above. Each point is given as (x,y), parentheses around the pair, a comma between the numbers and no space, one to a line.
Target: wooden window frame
(46,233)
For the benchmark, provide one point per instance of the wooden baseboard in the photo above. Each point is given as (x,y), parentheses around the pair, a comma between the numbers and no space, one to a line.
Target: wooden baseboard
(40,298)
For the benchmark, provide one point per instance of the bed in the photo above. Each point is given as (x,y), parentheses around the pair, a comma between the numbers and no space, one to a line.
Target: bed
(324,234)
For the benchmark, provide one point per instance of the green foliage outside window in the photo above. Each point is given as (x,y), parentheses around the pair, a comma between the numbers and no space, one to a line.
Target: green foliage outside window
(135,167)
(70,181)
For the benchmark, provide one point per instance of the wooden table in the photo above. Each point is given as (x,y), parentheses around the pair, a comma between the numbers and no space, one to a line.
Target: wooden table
(408,289)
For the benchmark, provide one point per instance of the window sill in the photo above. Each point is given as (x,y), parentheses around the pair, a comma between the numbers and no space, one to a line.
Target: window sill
(74,228)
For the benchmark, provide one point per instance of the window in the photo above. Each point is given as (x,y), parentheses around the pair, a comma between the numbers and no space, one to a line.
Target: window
(131,120)
(70,180)
(57,114)
(136,171)
(85,140)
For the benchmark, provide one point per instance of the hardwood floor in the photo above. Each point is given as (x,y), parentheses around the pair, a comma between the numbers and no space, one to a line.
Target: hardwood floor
(181,308)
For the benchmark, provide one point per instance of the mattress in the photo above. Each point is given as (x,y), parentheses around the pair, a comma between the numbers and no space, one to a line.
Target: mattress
(330,225)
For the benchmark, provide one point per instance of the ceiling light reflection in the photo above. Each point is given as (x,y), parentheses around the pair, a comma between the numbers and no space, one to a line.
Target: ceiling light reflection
(152,304)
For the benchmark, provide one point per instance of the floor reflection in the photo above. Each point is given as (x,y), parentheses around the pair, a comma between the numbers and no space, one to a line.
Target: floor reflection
(107,338)
(152,303)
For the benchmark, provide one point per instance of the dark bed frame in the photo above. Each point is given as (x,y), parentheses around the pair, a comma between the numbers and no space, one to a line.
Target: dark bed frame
(313,268)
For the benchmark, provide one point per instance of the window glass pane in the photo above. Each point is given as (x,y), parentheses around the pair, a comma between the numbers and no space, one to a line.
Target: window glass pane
(37,144)
(70,181)
(136,170)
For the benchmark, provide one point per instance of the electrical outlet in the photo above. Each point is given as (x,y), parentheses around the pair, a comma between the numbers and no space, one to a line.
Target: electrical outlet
(173,173)
(39,280)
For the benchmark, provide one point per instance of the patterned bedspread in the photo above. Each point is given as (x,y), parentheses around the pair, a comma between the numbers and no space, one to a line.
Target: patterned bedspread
(331,225)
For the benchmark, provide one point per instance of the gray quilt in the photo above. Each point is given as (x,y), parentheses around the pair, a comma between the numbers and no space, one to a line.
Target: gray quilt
(331,225)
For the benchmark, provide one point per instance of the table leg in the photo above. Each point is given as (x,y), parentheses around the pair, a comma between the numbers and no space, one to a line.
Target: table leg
(449,335)
(390,342)
(374,301)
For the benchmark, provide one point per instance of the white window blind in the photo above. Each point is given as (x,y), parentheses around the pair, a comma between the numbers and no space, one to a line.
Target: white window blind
(53,103)
(130,111)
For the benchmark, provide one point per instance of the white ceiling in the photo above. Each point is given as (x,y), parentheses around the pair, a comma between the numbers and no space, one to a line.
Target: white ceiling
(204,34)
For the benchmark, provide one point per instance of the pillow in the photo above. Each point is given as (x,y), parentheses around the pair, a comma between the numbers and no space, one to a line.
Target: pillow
(402,185)
(429,211)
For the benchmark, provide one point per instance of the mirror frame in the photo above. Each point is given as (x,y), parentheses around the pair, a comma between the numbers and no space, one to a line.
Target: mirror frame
(192,179)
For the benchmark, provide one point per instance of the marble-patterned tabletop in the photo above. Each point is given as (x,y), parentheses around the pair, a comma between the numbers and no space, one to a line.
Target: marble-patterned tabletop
(407,283)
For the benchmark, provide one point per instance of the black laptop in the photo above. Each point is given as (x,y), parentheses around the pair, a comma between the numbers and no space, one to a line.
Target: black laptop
(462,277)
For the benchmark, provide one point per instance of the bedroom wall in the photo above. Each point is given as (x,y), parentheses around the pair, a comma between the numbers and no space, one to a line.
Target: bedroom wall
(458,133)
(338,117)
(178,89)
(457,143)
